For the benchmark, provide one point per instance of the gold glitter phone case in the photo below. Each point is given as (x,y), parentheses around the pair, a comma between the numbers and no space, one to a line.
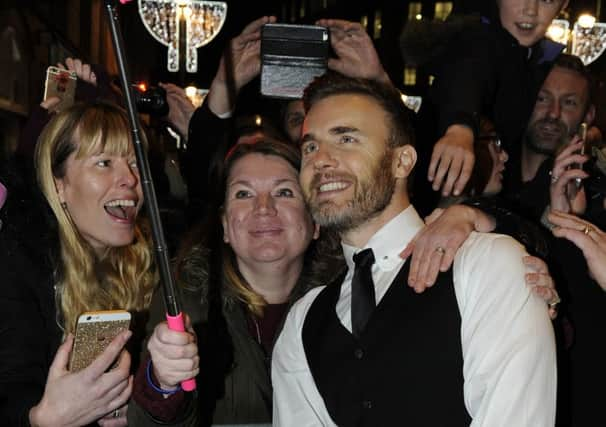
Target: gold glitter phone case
(94,332)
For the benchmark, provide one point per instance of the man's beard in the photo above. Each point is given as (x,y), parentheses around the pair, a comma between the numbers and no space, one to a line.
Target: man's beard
(546,144)
(371,197)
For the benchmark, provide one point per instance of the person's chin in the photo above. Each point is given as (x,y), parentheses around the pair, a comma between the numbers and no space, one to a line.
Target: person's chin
(120,236)
(268,254)
(526,39)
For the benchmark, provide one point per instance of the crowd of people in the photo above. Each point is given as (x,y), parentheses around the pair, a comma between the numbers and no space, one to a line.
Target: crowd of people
(314,291)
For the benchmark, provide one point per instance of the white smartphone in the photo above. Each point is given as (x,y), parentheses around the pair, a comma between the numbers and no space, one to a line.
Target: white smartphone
(94,332)
(62,84)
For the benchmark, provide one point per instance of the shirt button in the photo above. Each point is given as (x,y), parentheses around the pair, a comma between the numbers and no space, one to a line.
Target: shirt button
(366,404)
(359,353)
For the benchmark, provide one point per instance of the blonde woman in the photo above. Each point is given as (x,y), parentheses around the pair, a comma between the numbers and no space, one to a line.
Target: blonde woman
(87,173)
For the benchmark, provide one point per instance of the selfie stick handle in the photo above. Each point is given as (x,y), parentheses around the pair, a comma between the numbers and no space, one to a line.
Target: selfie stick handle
(174,315)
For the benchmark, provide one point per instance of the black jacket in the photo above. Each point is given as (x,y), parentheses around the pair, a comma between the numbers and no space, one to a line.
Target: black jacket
(29,332)
(482,71)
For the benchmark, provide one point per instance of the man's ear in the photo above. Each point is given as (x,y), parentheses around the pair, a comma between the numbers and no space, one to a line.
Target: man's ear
(404,161)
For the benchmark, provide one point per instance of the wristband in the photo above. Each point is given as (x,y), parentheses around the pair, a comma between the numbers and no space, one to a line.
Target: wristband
(148,376)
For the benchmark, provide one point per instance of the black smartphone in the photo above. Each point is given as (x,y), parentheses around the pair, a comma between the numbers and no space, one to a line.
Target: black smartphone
(291,57)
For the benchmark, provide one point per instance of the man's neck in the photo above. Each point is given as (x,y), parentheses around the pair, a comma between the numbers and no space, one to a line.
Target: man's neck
(360,235)
(531,161)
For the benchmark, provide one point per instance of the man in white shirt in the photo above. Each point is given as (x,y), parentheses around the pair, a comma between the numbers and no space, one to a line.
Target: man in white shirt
(368,351)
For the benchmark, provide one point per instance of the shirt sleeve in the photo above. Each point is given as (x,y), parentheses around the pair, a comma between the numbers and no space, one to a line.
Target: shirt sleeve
(296,400)
(506,334)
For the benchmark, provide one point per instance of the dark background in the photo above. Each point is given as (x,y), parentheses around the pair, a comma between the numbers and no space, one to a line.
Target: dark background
(37,33)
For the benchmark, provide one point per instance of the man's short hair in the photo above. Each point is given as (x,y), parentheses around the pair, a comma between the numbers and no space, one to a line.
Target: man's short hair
(574,63)
(399,117)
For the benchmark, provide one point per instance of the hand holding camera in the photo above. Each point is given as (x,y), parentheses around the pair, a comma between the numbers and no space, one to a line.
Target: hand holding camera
(565,195)
(180,107)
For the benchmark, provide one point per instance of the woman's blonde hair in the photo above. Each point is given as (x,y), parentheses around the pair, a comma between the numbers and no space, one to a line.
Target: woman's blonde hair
(124,277)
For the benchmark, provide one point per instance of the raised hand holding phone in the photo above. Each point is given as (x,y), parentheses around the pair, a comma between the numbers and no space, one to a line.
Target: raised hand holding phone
(564,194)
(60,84)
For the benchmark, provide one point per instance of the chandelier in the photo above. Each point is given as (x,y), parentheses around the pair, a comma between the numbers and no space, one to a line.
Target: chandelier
(183,25)
(587,39)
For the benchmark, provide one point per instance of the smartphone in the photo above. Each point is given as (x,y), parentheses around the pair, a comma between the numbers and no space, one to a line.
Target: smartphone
(583,135)
(62,84)
(95,330)
(291,57)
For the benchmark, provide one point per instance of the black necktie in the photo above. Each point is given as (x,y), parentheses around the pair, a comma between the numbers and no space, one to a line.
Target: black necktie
(362,291)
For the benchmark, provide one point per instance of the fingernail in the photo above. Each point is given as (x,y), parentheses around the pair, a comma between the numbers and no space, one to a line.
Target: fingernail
(457,192)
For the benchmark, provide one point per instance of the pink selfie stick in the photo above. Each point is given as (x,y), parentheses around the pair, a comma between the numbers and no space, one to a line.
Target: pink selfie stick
(176,324)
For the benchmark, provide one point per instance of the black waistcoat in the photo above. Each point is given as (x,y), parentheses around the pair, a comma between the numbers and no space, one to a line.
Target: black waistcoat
(406,368)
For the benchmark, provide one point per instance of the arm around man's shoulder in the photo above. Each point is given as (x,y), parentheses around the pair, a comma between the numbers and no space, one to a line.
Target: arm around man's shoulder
(507,336)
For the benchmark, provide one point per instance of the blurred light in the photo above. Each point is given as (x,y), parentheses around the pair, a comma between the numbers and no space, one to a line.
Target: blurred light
(187,12)
(586,20)
(258,120)
(175,135)
(556,32)
(412,102)
(377,25)
(142,87)
(586,39)
(195,95)
(364,21)
(418,17)
(190,91)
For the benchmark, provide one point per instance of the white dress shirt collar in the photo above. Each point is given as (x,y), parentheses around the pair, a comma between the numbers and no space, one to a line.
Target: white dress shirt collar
(389,241)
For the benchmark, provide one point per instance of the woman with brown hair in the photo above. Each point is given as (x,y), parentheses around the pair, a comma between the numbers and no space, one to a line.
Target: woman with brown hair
(238,280)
